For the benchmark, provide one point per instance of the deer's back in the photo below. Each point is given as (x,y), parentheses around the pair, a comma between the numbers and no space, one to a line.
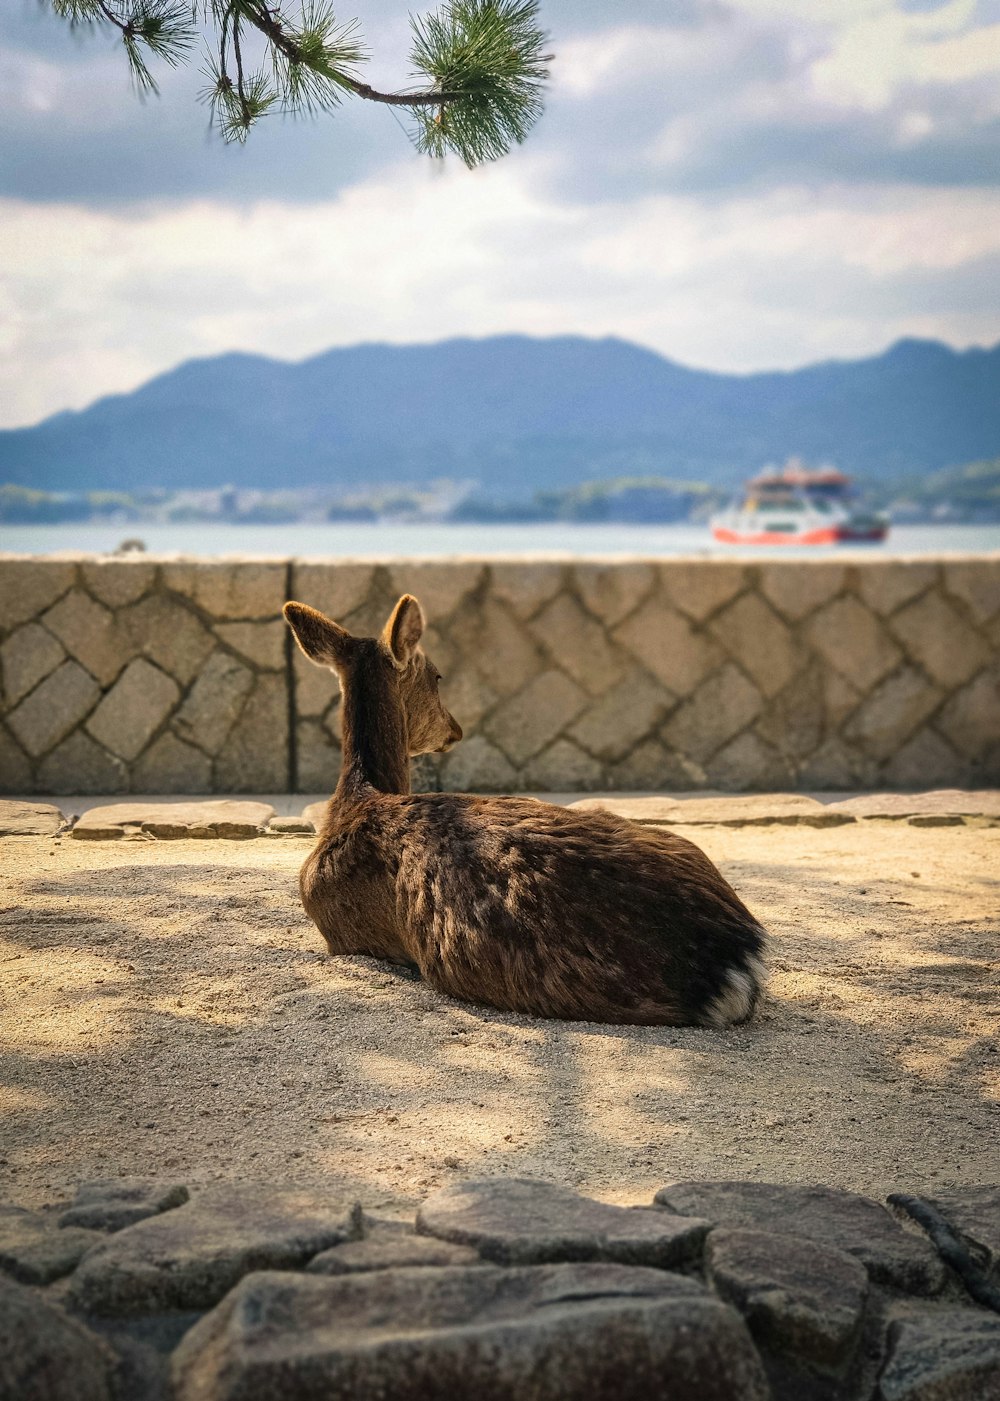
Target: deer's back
(555,912)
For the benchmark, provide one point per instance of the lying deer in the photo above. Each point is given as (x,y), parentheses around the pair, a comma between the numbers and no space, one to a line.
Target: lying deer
(523,905)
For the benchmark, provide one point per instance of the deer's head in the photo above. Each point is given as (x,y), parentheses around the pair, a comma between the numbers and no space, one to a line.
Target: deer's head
(395,657)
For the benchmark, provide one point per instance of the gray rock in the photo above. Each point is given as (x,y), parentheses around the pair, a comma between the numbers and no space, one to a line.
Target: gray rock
(111,1203)
(946,802)
(826,1215)
(54,708)
(973,1213)
(573,1332)
(943,1355)
(745,810)
(34,1251)
(134,709)
(46,1356)
(216,818)
(801,1300)
(291,826)
(385,1252)
(518,1221)
(29,819)
(189,1257)
(28,656)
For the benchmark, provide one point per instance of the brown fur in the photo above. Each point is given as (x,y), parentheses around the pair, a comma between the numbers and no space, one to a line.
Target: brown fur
(519,904)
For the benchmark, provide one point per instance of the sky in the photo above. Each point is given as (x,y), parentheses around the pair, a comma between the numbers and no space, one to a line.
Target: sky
(738,184)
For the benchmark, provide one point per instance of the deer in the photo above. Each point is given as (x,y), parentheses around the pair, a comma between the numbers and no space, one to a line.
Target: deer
(508,902)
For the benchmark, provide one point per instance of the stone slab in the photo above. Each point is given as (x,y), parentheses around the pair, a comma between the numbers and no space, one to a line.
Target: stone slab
(189,1257)
(801,1300)
(391,1251)
(826,1215)
(943,802)
(47,1356)
(112,1203)
(291,826)
(519,1221)
(744,810)
(588,1332)
(950,1354)
(217,818)
(29,819)
(33,1250)
(315,813)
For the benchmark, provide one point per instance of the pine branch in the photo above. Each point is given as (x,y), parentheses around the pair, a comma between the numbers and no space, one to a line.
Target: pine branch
(481,63)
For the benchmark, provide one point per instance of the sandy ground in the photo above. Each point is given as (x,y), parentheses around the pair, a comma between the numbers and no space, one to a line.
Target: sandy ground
(168,1010)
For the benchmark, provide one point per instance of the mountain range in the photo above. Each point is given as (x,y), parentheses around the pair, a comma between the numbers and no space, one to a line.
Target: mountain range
(516,414)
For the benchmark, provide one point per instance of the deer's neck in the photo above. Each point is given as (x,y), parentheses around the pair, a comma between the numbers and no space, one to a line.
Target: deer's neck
(374,729)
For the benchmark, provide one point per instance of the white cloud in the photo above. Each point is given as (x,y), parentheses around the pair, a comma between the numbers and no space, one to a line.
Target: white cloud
(97,301)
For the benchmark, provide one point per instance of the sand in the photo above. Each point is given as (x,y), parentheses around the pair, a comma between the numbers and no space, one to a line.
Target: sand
(169,1011)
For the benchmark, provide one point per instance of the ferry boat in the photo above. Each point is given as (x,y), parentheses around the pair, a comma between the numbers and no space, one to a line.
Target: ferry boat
(796,505)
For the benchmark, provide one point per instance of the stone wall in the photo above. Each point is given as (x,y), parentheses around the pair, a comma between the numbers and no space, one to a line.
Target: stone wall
(503,1288)
(174,675)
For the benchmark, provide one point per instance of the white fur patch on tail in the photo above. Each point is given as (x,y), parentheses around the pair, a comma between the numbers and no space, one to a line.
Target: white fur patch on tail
(738,997)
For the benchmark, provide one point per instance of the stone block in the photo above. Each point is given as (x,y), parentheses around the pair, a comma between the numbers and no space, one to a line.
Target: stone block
(170,766)
(520,1221)
(971,719)
(925,759)
(315,814)
(89,633)
(753,634)
(900,806)
(749,762)
(33,1250)
(794,722)
(188,1258)
(214,703)
(578,644)
(836,766)
(53,708)
(80,765)
(134,709)
(28,656)
(936,635)
(840,698)
(15,770)
(525,585)
(722,706)
(111,1203)
(217,818)
(886,585)
(668,646)
(798,587)
(563,767)
(47,1356)
(166,632)
(652,765)
(335,589)
(611,591)
(853,642)
(317,758)
(254,758)
(549,1333)
(625,715)
(468,696)
(497,646)
(977,583)
(30,820)
(230,589)
(117,582)
(948,1354)
(28,586)
(803,1301)
(825,1215)
(700,587)
(316,687)
(894,710)
(476,765)
(525,724)
(390,1251)
(262,644)
(441,586)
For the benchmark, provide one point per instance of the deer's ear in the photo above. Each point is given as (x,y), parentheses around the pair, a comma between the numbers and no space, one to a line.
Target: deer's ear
(324,642)
(403,631)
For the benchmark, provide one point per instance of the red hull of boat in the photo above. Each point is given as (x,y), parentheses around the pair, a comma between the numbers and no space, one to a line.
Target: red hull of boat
(827,535)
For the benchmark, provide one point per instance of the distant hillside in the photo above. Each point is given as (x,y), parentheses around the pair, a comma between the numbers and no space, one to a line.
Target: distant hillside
(515,413)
